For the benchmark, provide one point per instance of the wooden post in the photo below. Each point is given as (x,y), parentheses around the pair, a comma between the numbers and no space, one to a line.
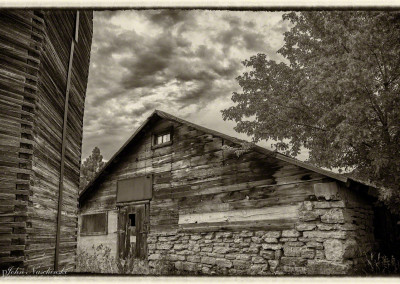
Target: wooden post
(64,140)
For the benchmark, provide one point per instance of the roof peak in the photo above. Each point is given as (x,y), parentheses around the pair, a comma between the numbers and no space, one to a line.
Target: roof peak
(168,116)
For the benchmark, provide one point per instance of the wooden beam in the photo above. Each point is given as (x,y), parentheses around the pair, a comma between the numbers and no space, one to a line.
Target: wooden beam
(261,225)
(281,212)
(121,204)
(64,140)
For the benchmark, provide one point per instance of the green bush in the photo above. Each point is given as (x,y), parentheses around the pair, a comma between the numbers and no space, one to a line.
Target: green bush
(377,264)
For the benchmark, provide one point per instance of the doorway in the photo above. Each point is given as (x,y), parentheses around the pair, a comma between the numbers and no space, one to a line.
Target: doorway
(133,225)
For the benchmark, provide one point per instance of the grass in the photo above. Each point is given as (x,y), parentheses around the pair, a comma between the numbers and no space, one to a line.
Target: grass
(99,260)
(378,264)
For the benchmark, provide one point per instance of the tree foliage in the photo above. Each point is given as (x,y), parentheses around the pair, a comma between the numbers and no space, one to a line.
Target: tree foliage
(337,95)
(90,167)
(238,151)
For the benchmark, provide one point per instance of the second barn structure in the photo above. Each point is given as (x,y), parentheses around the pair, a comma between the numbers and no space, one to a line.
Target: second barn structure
(174,193)
(44,69)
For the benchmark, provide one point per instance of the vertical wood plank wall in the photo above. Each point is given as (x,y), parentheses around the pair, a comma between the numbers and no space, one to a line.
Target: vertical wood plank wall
(42,72)
(21,36)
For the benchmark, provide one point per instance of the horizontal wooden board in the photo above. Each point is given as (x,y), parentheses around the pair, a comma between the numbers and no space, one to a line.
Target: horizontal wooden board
(268,225)
(268,213)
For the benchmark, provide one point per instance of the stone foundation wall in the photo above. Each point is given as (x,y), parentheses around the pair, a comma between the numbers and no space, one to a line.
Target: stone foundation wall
(329,238)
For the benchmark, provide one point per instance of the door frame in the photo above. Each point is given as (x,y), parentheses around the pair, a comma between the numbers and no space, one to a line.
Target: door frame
(142,228)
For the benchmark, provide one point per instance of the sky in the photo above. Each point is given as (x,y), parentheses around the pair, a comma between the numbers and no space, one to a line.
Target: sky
(184,62)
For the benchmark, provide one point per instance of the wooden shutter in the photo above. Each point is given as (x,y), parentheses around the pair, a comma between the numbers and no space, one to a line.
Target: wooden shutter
(94,224)
(135,189)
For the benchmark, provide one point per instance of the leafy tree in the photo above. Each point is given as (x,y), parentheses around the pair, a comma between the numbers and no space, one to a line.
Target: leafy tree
(90,167)
(337,94)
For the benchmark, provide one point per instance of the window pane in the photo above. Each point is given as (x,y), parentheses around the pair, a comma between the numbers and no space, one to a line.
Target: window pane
(132,218)
(159,139)
(166,137)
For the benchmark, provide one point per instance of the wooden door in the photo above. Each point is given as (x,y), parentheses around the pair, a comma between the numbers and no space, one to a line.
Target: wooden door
(123,230)
(133,224)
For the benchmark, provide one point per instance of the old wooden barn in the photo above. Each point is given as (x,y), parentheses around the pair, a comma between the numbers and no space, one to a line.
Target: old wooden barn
(174,193)
(44,67)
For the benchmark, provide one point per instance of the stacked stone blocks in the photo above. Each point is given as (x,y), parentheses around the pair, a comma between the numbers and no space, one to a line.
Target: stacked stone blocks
(329,238)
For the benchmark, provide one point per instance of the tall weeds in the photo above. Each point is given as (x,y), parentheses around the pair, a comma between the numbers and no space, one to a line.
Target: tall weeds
(100,260)
(377,264)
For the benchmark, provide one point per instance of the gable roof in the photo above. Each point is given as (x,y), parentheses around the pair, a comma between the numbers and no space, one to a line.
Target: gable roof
(160,114)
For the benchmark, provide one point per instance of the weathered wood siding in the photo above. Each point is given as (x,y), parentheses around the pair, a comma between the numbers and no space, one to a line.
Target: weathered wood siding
(33,74)
(197,186)
(20,41)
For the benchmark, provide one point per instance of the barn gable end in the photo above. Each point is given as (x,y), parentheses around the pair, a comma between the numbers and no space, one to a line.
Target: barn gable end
(213,212)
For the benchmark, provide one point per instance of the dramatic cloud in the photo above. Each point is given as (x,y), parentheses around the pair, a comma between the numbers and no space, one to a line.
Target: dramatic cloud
(179,61)
(167,18)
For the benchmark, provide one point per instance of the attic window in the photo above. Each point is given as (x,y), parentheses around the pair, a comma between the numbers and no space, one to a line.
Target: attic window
(163,138)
